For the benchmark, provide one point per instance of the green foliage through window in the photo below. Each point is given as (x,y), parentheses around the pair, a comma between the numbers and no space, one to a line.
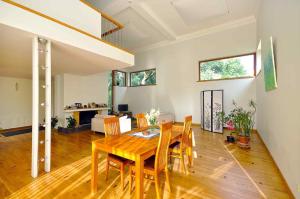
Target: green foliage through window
(228,68)
(119,78)
(109,90)
(143,78)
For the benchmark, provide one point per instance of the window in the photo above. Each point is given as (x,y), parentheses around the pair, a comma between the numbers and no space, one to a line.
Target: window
(110,90)
(143,78)
(241,66)
(119,78)
(258,59)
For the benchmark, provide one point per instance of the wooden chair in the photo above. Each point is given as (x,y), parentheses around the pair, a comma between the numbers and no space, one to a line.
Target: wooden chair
(112,128)
(178,149)
(158,163)
(141,120)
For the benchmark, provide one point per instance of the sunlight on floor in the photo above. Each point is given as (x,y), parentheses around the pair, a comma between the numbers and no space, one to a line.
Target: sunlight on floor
(221,170)
(193,139)
(218,171)
(195,155)
(182,192)
(245,172)
(48,182)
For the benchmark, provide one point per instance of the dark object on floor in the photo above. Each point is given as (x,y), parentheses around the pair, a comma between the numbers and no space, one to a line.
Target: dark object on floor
(75,129)
(19,132)
(230,139)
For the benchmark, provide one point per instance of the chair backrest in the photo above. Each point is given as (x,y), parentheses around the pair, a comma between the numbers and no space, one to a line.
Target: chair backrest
(161,158)
(112,126)
(141,120)
(186,135)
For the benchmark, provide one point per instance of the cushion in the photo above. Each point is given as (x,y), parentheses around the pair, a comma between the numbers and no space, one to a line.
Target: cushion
(123,117)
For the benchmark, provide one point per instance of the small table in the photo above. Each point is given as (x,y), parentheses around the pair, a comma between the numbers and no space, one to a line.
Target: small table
(132,148)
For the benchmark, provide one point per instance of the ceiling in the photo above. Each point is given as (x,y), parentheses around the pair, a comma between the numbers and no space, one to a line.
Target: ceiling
(151,22)
(16,52)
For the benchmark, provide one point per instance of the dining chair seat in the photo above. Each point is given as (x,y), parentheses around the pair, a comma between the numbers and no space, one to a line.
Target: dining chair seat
(174,146)
(148,165)
(176,151)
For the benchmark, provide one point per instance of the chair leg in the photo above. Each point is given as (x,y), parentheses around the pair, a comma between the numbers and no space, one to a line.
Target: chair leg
(190,156)
(167,178)
(122,171)
(170,159)
(107,169)
(130,180)
(156,180)
(182,163)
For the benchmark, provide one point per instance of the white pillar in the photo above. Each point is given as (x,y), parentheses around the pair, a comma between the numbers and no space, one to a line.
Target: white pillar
(35,107)
(48,107)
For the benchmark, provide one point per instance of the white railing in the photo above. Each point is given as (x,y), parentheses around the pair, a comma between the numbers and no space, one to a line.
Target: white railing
(112,32)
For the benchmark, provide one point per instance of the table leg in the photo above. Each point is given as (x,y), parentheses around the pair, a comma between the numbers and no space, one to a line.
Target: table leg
(139,178)
(94,172)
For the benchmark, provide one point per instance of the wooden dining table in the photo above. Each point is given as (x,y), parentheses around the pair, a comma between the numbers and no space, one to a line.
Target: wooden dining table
(132,148)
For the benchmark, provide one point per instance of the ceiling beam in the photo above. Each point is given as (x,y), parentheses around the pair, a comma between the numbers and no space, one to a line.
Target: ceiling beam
(115,7)
(148,15)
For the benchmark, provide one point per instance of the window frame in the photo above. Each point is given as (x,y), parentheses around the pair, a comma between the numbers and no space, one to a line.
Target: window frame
(228,57)
(113,78)
(139,72)
(258,51)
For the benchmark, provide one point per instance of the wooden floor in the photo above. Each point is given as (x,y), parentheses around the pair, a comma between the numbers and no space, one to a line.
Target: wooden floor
(219,171)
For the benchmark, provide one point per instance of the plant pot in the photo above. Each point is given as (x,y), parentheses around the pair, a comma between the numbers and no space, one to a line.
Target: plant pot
(244,139)
(244,142)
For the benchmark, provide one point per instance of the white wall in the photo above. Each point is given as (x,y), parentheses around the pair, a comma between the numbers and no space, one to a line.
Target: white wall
(119,95)
(85,89)
(74,13)
(177,89)
(70,89)
(15,104)
(21,19)
(278,114)
(59,98)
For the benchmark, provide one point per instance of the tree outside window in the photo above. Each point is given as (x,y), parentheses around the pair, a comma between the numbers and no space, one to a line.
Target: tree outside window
(143,78)
(241,66)
(119,78)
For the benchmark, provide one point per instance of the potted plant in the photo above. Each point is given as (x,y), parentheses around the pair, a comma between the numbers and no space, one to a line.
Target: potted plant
(71,123)
(246,125)
(243,122)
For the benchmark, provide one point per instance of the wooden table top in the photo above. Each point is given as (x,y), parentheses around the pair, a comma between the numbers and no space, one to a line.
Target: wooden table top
(130,147)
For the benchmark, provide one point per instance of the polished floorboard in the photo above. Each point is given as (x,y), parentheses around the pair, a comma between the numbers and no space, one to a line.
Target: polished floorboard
(219,170)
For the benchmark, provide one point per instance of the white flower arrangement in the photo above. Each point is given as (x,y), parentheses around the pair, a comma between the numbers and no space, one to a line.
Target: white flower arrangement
(152,117)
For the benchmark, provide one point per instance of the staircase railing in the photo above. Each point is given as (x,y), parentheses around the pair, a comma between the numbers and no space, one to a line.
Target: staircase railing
(111,30)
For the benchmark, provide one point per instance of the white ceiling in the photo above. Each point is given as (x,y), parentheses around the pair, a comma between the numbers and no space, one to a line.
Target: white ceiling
(148,23)
(15,56)
(151,22)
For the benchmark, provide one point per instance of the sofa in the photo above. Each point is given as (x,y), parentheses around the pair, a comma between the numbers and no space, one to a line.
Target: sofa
(98,123)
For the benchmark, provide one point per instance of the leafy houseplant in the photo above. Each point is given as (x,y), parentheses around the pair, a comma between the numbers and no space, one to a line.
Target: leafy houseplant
(242,120)
(71,122)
